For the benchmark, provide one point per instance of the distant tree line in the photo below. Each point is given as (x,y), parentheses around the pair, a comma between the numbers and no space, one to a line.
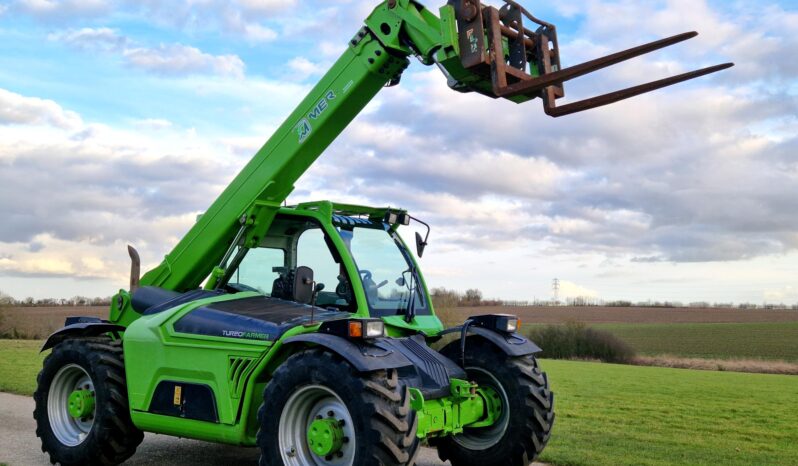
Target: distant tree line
(6,300)
(444,298)
(472,297)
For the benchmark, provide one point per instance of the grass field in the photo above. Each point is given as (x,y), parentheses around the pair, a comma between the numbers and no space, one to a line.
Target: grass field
(770,341)
(627,415)
(621,415)
(20,362)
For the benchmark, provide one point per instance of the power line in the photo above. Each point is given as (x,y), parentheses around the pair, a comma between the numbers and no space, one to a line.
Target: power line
(556,288)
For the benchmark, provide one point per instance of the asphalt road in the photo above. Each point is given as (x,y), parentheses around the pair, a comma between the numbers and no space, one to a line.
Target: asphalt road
(19,445)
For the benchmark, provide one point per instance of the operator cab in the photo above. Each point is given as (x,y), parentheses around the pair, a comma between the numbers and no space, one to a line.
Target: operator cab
(293,243)
(298,262)
(381,263)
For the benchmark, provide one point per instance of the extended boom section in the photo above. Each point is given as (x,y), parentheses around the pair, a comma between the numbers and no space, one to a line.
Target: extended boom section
(479,48)
(253,197)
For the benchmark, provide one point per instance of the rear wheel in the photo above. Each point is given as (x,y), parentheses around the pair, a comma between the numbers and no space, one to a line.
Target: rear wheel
(81,409)
(527,416)
(319,411)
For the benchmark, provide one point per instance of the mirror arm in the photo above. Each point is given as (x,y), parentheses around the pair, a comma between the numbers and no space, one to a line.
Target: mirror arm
(421,244)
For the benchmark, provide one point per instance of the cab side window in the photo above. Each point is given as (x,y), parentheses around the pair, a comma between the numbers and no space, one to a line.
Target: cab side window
(313,252)
(257,271)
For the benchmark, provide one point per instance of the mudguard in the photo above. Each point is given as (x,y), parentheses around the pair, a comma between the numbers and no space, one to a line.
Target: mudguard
(363,357)
(512,344)
(77,327)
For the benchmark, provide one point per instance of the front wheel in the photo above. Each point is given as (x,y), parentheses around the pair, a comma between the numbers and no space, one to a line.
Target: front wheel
(524,426)
(319,411)
(81,412)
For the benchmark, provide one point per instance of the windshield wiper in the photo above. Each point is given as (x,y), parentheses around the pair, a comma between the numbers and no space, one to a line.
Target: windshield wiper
(411,306)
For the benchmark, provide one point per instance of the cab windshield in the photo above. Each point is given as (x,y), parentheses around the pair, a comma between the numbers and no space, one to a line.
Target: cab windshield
(385,269)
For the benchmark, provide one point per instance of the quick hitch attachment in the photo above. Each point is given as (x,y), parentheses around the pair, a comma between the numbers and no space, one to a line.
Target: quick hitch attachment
(468,406)
(525,63)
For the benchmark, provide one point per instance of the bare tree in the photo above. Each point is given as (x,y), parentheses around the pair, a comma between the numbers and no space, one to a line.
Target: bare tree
(473,297)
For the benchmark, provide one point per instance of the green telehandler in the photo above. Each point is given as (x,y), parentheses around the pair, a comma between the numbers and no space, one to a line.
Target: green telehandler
(305,330)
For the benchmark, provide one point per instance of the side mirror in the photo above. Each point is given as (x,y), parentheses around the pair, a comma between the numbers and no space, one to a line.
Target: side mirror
(420,245)
(316,290)
(303,285)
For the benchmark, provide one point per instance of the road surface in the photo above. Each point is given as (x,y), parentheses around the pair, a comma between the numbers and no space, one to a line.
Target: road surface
(19,445)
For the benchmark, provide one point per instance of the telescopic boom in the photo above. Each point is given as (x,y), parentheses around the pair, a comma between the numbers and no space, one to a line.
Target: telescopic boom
(479,48)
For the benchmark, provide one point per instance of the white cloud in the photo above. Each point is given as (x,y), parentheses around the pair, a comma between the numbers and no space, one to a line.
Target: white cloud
(97,189)
(257,32)
(243,18)
(265,7)
(572,290)
(305,67)
(165,59)
(105,39)
(178,59)
(785,294)
(155,124)
(60,9)
(17,109)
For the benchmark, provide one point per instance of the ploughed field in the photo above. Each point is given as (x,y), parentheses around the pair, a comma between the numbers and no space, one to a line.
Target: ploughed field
(39,322)
(631,315)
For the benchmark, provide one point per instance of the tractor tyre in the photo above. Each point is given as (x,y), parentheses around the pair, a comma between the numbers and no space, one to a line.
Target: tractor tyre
(527,416)
(81,406)
(318,411)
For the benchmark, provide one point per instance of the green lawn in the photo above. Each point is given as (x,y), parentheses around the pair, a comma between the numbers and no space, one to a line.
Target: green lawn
(714,341)
(621,415)
(627,415)
(20,362)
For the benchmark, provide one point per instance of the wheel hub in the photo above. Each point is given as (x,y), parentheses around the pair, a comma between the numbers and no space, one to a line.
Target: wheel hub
(71,405)
(326,436)
(316,429)
(81,404)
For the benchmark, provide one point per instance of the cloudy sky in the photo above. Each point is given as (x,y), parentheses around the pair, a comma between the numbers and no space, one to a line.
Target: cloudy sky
(121,120)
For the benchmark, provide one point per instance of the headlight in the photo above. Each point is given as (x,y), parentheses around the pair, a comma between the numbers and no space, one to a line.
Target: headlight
(374,329)
(508,324)
(354,328)
(504,323)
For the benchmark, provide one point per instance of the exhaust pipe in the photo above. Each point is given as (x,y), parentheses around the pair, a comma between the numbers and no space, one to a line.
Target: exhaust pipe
(135,268)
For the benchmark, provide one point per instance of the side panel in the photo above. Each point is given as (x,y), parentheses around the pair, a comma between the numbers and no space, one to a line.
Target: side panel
(156,355)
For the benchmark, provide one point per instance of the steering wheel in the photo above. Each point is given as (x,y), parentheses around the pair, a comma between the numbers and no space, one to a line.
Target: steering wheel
(368,281)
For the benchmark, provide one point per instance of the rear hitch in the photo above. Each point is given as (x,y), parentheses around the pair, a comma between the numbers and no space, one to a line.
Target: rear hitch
(522,62)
